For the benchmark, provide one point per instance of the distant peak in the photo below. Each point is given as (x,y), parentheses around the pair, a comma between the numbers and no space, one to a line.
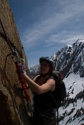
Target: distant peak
(69,45)
(80,40)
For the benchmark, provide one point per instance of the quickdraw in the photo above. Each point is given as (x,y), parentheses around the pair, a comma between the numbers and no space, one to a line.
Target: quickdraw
(16,57)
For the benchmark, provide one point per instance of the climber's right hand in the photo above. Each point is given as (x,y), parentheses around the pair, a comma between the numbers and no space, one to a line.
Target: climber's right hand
(21,66)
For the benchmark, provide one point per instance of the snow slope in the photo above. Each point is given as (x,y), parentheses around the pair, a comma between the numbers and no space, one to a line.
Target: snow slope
(76,83)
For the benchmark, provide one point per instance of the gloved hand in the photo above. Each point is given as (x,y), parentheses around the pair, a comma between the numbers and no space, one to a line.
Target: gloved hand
(21,66)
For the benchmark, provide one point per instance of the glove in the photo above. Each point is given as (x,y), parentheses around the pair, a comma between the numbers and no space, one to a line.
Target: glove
(21,66)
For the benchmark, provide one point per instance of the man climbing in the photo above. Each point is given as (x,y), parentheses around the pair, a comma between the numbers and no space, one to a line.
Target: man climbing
(42,85)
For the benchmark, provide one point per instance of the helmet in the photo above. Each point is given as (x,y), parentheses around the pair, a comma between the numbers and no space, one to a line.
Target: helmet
(50,62)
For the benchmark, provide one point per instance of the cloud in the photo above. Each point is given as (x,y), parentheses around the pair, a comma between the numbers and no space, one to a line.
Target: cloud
(51,23)
(73,38)
(64,38)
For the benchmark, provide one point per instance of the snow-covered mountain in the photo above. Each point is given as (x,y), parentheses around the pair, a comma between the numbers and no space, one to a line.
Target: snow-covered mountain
(70,61)
(72,113)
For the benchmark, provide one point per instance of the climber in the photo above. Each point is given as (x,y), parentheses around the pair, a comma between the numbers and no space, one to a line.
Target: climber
(41,85)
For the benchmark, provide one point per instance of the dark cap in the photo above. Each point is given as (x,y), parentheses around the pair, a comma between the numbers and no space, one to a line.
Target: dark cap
(48,60)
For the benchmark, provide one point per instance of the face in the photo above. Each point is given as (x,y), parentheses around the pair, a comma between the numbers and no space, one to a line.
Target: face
(44,67)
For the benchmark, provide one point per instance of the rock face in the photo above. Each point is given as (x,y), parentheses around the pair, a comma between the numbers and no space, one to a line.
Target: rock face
(12,109)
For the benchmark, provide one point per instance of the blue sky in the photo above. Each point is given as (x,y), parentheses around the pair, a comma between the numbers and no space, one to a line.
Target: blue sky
(45,26)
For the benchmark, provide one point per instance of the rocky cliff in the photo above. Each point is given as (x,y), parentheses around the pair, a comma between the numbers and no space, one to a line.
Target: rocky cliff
(12,109)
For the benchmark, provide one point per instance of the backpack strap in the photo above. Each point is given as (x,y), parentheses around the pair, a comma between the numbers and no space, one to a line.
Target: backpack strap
(37,79)
(57,116)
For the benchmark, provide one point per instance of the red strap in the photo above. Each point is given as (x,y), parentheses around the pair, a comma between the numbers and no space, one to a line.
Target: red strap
(24,86)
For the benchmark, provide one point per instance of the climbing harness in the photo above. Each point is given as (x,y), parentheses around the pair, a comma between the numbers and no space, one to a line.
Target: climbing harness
(16,55)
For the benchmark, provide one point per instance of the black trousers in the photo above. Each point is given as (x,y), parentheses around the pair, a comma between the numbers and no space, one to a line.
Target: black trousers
(45,117)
